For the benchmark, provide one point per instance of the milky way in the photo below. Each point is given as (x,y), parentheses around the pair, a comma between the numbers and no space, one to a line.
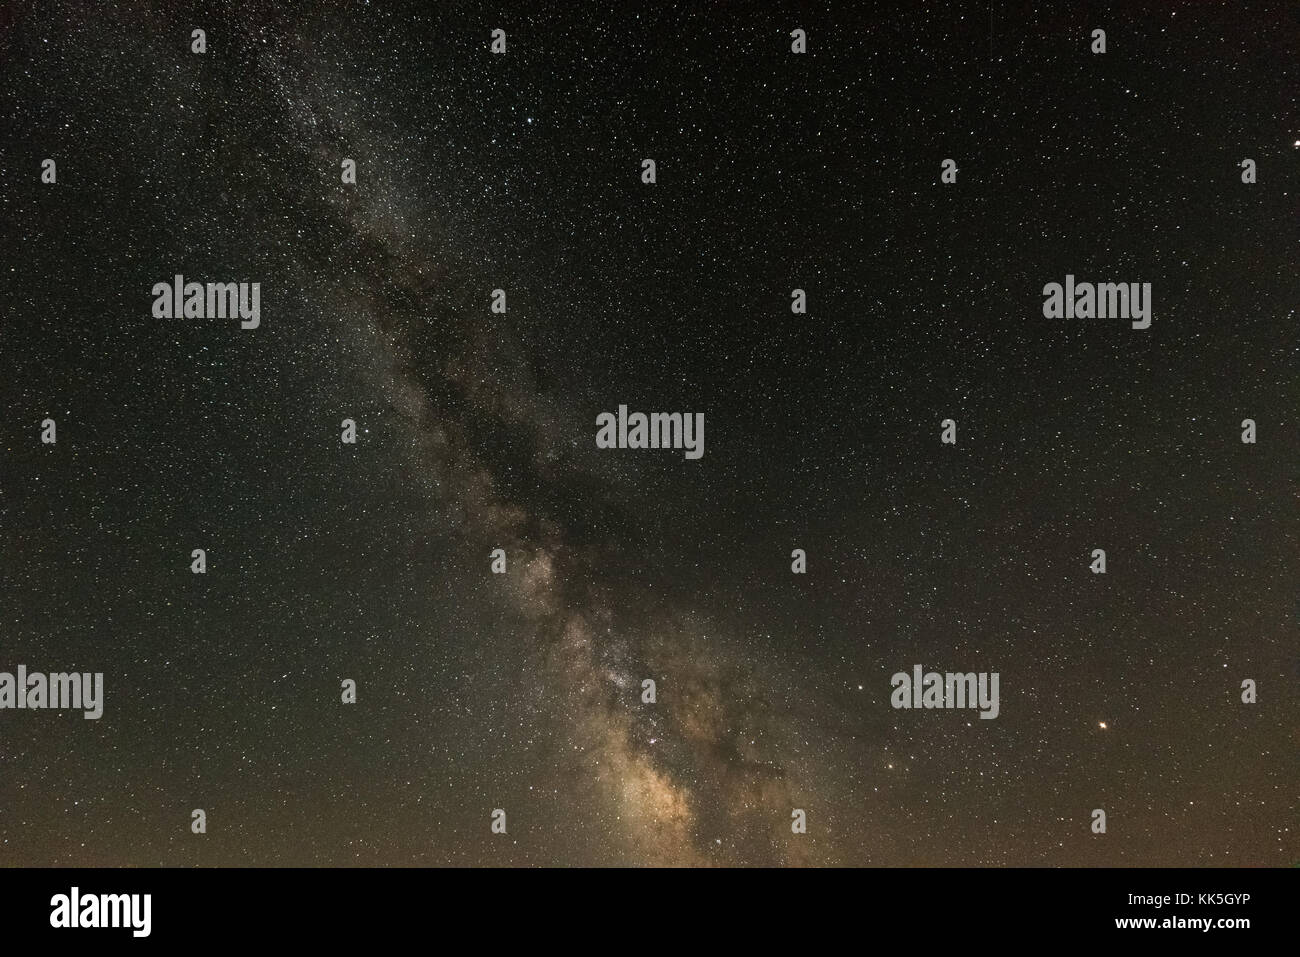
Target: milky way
(522,691)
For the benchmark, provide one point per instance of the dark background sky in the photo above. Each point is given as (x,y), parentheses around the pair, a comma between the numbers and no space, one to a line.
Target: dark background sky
(775,171)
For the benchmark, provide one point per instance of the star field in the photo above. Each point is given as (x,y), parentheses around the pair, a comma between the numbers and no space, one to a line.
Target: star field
(775,171)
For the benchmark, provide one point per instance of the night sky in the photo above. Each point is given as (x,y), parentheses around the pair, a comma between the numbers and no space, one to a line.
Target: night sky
(476,430)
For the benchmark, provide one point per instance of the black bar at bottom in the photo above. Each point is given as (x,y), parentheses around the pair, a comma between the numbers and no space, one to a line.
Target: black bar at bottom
(980,908)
